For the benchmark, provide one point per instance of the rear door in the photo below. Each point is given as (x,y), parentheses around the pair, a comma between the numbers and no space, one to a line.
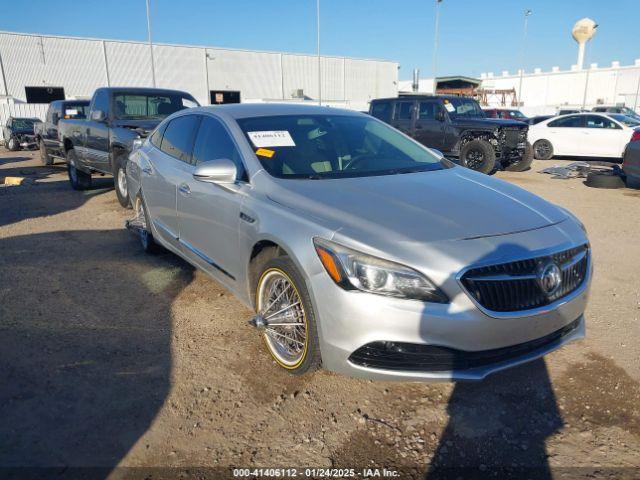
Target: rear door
(168,166)
(403,116)
(208,214)
(429,129)
(604,137)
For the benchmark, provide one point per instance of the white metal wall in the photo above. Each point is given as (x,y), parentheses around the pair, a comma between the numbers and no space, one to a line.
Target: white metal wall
(129,64)
(29,110)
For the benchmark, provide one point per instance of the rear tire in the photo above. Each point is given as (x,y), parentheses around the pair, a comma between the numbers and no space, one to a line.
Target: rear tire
(79,180)
(478,155)
(543,150)
(45,158)
(524,163)
(120,183)
(295,348)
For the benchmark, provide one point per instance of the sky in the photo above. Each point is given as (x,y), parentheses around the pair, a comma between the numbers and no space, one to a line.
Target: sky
(475,36)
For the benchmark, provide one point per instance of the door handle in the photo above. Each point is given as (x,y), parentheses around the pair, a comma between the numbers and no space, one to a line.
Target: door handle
(184,189)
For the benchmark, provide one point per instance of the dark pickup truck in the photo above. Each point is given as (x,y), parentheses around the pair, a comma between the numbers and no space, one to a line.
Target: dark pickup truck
(458,127)
(47,132)
(117,116)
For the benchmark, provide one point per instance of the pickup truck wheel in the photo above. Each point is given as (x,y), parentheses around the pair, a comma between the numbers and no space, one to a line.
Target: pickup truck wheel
(524,163)
(543,150)
(45,158)
(13,144)
(120,183)
(79,180)
(478,155)
(147,241)
(286,317)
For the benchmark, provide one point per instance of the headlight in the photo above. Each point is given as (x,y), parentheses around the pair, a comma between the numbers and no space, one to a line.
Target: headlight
(351,270)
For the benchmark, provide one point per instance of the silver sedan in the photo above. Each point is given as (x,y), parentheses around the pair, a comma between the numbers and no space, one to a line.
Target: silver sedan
(359,249)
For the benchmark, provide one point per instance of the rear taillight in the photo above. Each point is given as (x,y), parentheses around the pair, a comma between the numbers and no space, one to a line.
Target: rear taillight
(636,136)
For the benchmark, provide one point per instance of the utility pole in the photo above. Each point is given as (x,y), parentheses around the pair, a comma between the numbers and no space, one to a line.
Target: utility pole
(153,68)
(435,47)
(319,58)
(527,13)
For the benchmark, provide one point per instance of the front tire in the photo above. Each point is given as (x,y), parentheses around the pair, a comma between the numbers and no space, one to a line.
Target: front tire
(478,155)
(147,241)
(120,184)
(281,299)
(79,180)
(13,144)
(543,150)
(524,163)
(45,158)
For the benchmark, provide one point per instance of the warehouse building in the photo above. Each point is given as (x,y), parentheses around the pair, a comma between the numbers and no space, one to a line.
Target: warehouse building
(41,68)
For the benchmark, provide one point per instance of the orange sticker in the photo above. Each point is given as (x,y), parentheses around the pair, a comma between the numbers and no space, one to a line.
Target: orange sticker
(264,152)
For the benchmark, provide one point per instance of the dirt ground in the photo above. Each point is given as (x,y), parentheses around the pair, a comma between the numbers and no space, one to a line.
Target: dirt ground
(141,367)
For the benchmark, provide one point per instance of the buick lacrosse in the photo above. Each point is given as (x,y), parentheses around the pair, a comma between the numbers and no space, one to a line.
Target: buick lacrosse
(360,249)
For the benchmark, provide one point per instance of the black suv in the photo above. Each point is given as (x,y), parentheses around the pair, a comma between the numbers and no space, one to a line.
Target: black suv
(457,127)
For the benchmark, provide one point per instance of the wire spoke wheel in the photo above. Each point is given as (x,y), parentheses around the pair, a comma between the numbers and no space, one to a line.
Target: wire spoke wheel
(280,304)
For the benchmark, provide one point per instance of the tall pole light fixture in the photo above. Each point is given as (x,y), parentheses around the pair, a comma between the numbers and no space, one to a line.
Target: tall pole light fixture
(153,68)
(527,13)
(319,59)
(435,47)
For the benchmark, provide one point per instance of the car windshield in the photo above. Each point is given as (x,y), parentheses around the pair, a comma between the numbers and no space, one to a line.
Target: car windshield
(334,146)
(23,123)
(625,120)
(75,110)
(139,106)
(516,114)
(463,107)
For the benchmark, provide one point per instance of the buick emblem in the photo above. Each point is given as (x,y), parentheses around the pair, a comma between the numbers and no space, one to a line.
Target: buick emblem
(550,278)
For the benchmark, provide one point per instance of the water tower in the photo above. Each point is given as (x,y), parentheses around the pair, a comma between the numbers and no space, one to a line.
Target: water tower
(582,32)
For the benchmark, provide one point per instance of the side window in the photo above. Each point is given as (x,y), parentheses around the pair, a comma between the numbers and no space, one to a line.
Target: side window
(156,136)
(177,140)
(101,102)
(596,121)
(574,121)
(404,110)
(213,142)
(382,111)
(428,110)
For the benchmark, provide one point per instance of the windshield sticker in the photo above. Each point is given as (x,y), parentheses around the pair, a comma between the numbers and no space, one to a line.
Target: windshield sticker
(264,152)
(271,138)
(450,108)
(71,111)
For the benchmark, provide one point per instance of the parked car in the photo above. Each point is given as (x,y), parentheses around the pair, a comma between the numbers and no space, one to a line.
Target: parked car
(631,161)
(568,111)
(458,127)
(17,133)
(117,116)
(359,248)
(538,118)
(582,135)
(616,109)
(508,113)
(46,132)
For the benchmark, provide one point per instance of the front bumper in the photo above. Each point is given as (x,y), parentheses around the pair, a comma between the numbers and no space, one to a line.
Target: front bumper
(351,320)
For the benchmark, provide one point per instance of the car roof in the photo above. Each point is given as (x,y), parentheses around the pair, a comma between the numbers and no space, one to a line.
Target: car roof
(420,97)
(246,110)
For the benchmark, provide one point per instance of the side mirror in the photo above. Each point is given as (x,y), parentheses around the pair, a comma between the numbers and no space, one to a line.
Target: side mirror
(55,118)
(221,171)
(440,115)
(98,116)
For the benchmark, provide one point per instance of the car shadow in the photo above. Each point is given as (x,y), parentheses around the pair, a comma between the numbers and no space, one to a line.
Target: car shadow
(84,368)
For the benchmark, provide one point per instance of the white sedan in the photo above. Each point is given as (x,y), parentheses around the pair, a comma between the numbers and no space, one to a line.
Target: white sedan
(583,135)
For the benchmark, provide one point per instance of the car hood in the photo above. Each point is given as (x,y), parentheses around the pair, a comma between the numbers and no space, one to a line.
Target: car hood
(447,204)
(486,122)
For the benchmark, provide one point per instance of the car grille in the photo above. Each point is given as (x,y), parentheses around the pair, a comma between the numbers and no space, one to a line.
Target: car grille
(516,286)
(429,358)
(513,137)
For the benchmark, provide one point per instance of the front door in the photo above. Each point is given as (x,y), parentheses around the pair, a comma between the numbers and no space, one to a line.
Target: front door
(209,214)
(603,137)
(429,126)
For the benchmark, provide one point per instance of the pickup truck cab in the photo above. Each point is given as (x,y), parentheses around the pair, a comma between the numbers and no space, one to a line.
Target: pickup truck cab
(101,143)
(458,128)
(47,132)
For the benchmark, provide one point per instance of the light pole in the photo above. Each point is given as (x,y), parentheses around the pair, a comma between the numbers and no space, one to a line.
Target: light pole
(527,13)
(319,59)
(435,47)
(153,68)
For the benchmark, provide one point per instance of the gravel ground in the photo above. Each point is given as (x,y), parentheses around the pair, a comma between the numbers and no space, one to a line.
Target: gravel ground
(113,359)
